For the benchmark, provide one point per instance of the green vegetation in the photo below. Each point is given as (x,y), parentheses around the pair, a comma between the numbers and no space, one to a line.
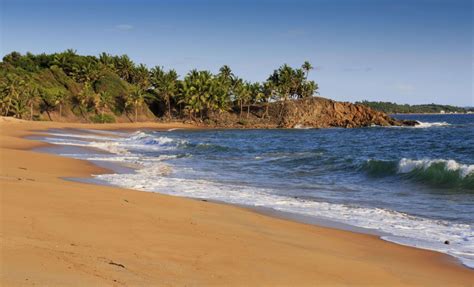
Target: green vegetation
(102,119)
(100,89)
(393,108)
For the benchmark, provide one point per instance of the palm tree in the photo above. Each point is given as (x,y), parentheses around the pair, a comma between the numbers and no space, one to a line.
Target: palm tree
(19,106)
(257,93)
(219,95)
(102,101)
(136,100)
(196,92)
(9,92)
(243,95)
(20,102)
(84,99)
(124,67)
(60,102)
(286,81)
(33,97)
(307,67)
(88,72)
(308,89)
(269,92)
(226,72)
(165,85)
(16,96)
(170,88)
(60,60)
(140,76)
(107,60)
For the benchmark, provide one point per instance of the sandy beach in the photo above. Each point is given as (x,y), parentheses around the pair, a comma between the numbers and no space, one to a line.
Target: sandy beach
(56,232)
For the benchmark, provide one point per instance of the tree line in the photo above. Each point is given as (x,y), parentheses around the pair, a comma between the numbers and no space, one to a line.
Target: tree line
(393,108)
(99,88)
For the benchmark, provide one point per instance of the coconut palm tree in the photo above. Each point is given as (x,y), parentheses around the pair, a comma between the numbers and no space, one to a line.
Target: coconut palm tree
(21,101)
(243,95)
(170,88)
(165,85)
(257,92)
(106,60)
(269,94)
(102,101)
(140,76)
(136,100)
(82,101)
(226,73)
(89,72)
(196,92)
(16,94)
(9,92)
(32,97)
(60,99)
(124,67)
(306,68)
(219,95)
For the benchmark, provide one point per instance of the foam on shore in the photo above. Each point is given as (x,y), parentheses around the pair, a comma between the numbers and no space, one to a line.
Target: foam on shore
(157,174)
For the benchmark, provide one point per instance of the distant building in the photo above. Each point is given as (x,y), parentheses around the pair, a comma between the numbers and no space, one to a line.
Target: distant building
(442,112)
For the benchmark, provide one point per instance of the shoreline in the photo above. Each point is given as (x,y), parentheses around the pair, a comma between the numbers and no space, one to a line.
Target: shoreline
(399,273)
(118,168)
(319,221)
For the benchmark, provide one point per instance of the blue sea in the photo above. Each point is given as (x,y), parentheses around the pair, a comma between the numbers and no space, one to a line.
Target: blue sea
(412,185)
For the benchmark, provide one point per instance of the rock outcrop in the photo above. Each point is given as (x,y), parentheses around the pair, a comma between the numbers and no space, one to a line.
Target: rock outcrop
(315,112)
(322,113)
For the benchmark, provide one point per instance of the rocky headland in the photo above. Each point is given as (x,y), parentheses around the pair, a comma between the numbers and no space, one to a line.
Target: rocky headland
(314,112)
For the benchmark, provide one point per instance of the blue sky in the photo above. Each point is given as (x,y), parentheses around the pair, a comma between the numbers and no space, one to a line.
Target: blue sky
(407,51)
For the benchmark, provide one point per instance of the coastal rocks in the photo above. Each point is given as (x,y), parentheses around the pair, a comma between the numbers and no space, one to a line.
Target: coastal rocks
(319,112)
(315,112)
(410,123)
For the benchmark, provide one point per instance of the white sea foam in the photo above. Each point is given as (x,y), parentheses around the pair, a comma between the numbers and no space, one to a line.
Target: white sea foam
(121,146)
(420,125)
(156,174)
(402,228)
(431,124)
(81,136)
(407,165)
(301,127)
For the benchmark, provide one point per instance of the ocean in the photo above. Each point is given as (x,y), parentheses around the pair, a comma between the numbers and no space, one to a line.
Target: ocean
(412,185)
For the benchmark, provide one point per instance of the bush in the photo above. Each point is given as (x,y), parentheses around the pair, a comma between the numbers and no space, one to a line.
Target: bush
(243,122)
(116,87)
(102,119)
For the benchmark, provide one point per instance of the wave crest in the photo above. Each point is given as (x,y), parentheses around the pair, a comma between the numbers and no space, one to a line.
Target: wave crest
(431,124)
(408,165)
(437,172)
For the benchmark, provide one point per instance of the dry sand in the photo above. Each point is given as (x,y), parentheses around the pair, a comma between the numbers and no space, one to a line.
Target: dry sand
(61,233)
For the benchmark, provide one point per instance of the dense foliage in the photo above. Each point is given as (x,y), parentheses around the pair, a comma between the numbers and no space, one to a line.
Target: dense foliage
(393,108)
(100,88)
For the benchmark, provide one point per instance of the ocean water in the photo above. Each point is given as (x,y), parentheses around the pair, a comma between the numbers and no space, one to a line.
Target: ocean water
(414,185)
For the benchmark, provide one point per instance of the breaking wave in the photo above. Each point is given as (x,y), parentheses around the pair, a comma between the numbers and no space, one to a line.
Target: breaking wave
(320,174)
(436,172)
(431,124)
